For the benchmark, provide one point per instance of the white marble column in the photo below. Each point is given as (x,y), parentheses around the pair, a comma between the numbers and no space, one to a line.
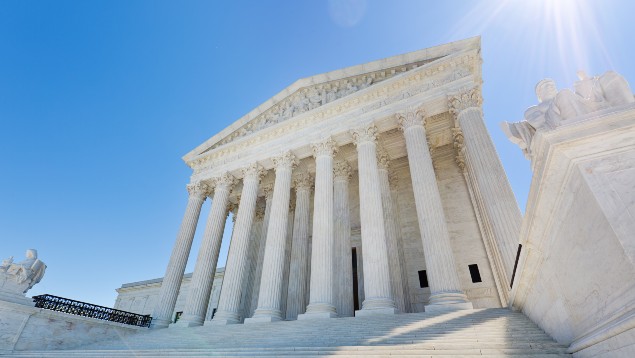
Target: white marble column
(391,233)
(205,268)
(298,272)
(343,276)
(393,182)
(287,259)
(254,248)
(378,295)
(443,279)
(236,267)
(501,212)
(268,191)
(269,304)
(162,314)
(321,300)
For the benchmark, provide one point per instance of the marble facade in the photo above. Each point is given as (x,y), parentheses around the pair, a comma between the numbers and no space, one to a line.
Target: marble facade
(380,161)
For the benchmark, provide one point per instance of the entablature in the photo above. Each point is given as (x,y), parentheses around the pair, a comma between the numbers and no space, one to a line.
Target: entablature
(428,85)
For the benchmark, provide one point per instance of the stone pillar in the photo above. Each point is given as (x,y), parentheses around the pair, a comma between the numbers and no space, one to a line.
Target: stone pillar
(393,182)
(268,191)
(298,272)
(273,265)
(162,314)
(287,260)
(205,268)
(391,233)
(236,268)
(343,276)
(254,249)
(500,210)
(321,304)
(378,295)
(443,279)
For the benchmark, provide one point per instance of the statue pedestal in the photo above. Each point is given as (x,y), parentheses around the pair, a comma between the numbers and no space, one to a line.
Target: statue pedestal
(578,233)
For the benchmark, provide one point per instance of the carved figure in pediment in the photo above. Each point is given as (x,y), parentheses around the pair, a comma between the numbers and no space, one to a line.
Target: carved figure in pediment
(350,88)
(331,95)
(300,104)
(366,82)
(315,98)
(287,112)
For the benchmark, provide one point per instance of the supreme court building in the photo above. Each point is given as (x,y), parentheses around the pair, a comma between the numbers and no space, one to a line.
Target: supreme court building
(373,189)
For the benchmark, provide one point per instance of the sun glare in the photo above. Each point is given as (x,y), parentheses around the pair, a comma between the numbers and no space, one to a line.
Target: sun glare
(563,35)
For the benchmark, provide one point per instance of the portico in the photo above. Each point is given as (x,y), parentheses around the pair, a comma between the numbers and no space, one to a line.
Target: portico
(370,149)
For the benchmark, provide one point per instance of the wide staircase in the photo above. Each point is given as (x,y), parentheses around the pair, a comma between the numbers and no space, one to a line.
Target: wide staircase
(470,333)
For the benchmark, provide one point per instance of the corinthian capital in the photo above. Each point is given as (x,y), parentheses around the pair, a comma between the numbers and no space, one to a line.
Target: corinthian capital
(198,190)
(383,160)
(225,181)
(365,134)
(464,99)
(268,190)
(286,160)
(325,147)
(254,172)
(414,116)
(302,181)
(342,171)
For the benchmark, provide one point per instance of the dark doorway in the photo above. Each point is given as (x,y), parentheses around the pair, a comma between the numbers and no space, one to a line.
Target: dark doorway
(355,284)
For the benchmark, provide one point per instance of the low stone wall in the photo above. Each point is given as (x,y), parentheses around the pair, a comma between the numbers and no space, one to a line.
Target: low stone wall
(24,328)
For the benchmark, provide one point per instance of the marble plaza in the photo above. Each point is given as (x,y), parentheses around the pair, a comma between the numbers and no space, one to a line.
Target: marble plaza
(371,212)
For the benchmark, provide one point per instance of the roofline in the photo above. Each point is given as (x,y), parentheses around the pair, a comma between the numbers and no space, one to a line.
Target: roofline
(377,65)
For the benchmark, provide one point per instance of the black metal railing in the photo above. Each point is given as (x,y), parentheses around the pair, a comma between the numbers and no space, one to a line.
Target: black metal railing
(61,304)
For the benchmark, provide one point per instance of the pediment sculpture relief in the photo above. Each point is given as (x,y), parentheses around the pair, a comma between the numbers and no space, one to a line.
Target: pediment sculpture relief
(309,98)
(590,94)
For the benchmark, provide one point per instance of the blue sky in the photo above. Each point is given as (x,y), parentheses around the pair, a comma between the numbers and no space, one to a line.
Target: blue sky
(99,100)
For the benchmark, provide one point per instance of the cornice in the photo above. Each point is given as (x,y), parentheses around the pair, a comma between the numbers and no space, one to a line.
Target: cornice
(456,67)
(391,66)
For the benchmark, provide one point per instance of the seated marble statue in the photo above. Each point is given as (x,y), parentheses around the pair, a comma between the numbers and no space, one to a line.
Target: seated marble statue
(590,94)
(24,274)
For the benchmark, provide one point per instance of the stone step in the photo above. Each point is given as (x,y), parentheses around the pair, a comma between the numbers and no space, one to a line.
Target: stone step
(489,332)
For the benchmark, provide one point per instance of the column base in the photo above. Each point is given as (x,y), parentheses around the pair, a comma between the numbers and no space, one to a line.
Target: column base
(224,318)
(187,322)
(262,319)
(376,312)
(265,315)
(159,323)
(448,301)
(448,307)
(316,315)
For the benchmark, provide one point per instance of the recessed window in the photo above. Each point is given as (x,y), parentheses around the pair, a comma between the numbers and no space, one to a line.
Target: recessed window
(423,279)
(476,276)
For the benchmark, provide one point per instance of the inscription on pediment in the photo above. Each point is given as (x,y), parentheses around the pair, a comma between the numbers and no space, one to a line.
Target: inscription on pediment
(308,98)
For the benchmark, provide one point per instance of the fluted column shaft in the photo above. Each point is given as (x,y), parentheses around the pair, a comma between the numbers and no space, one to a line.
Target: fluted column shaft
(229,302)
(299,266)
(287,262)
(205,268)
(397,284)
(321,301)
(269,304)
(162,314)
(441,269)
(268,190)
(501,211)
(393,182)
(343,277)
(254,248)
(378,295)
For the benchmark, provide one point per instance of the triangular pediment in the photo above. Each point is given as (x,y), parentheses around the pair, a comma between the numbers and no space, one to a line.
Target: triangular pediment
(313,92)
